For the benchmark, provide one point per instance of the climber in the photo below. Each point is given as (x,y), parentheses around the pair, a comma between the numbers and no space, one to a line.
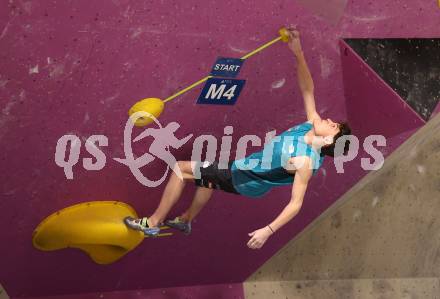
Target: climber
(294,164)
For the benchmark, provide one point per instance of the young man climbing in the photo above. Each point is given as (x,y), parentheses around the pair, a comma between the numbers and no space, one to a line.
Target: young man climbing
(307,144)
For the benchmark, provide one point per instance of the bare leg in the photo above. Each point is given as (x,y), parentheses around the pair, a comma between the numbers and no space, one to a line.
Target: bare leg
(201,197)
(172,193)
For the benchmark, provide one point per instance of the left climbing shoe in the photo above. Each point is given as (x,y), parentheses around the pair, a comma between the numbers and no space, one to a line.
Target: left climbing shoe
(142,225)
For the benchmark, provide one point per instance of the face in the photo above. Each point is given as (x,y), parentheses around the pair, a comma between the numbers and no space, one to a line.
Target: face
(325,127)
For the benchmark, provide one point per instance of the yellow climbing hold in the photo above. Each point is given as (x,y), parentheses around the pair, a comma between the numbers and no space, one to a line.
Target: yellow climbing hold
(97,228)
(153,106)
(284,33)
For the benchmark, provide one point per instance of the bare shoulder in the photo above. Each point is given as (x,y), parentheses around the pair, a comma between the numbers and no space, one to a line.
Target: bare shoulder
(299,164)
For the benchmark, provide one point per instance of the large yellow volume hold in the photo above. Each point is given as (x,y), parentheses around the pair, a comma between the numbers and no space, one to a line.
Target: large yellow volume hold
(96,228)
(153,106)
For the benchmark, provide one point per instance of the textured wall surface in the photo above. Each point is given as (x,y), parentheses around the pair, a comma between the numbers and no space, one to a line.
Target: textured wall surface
(426,288)
(75,67)
(230,291)
(436,110)
(385,227)
(3,294)
(411,67)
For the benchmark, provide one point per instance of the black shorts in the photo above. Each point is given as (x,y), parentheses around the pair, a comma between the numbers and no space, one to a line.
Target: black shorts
(214,178)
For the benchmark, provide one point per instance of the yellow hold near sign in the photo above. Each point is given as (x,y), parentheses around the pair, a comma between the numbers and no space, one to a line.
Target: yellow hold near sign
(155,106)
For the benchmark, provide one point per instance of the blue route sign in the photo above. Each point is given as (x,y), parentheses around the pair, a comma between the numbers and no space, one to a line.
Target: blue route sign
(218,91)
(227,67)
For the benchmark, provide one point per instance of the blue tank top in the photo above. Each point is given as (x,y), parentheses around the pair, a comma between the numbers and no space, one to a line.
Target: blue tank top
(256,174)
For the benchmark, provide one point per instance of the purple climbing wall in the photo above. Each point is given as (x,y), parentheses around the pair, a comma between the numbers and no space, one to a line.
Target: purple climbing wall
(76,67)
(373,107)
(330,10)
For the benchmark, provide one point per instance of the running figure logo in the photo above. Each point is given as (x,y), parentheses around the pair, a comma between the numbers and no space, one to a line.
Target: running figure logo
(164,138)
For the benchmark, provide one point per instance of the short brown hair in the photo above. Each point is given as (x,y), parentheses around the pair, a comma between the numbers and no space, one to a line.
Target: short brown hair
(329,150)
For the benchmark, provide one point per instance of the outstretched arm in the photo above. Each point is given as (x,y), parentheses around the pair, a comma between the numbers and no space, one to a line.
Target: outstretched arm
(305,80)
(302,176)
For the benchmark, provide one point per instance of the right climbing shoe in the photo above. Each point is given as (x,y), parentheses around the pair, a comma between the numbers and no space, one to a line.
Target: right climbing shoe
(180,225)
